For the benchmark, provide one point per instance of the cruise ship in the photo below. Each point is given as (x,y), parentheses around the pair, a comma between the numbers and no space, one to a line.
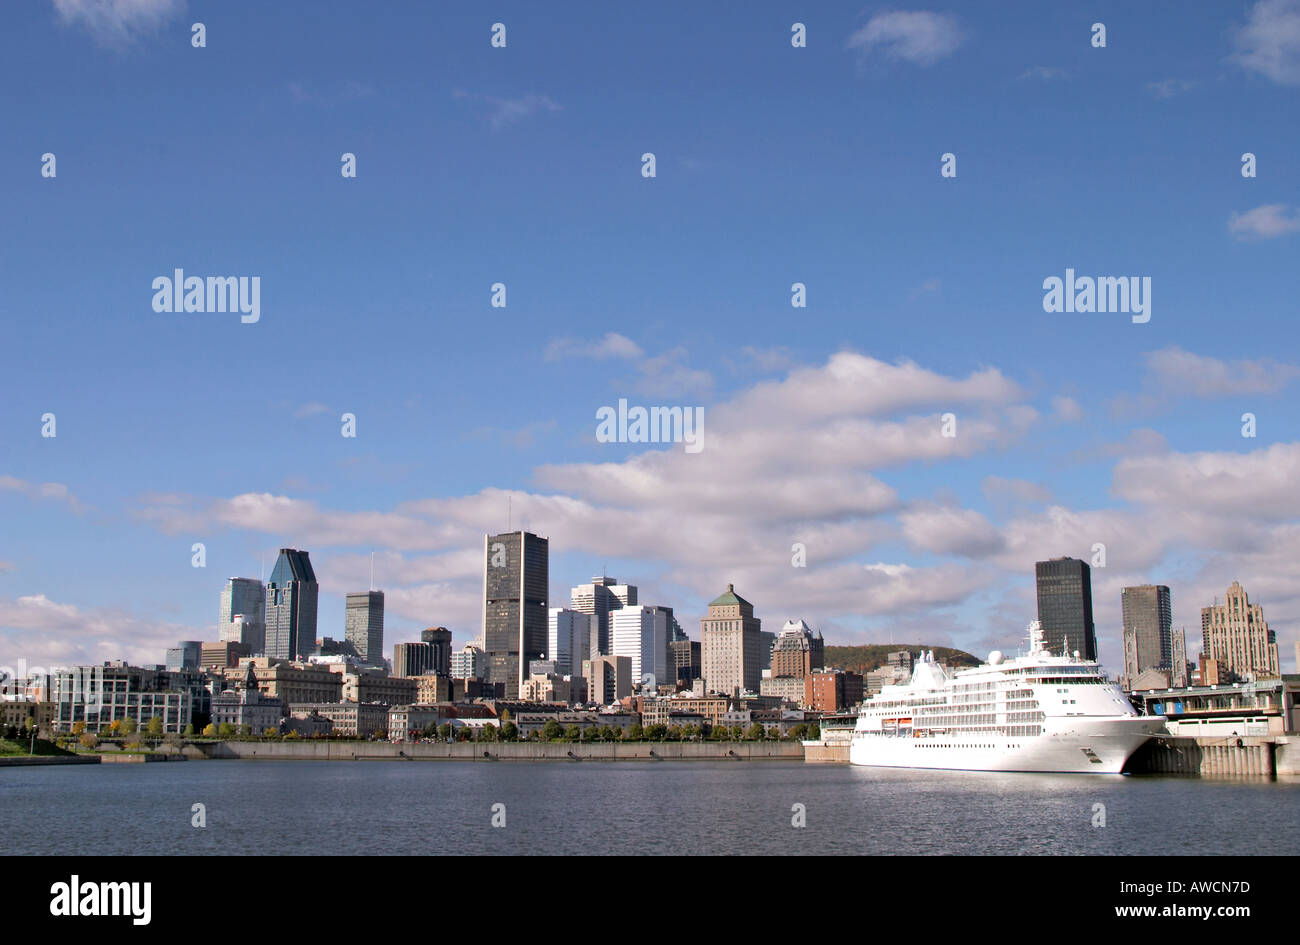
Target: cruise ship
(1037,712)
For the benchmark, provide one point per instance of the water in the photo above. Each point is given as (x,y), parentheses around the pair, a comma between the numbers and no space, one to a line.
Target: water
(272,807)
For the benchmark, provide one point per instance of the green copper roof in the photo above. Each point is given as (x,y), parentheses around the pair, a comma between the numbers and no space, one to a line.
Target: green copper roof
(729,598)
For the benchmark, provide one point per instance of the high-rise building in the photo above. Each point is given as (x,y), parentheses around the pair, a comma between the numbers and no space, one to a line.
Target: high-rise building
(684,654)
(1065,606)
(188,654)
(602,595)
(1238,638)
(729,654)
(515,590)
(412,659)
(1148,633)
(470,662)
(798,650)
(364,625)
(641,634)
(568,639)
(246,597)
(440,639)
(291,597)
(609,678)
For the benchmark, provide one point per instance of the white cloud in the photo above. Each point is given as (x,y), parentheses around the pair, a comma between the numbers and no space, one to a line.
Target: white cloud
(950,530)
(1264,222)
(1269,42)
(43,632)
(507,111)
(1168,88)
(117,23)
(1066,409)
(1046,73)
(919,37)
(44,491)
(612,345)
(1174,370)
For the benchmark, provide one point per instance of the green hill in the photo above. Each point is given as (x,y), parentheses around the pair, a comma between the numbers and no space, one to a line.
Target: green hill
(863,659)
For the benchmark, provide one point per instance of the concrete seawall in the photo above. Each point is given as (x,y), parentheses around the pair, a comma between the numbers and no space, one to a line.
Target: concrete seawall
(307,750)
(1219,757)
(27,761)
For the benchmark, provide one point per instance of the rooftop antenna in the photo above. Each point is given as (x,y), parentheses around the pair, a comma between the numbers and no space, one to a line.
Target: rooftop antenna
(372,570)
(508,512)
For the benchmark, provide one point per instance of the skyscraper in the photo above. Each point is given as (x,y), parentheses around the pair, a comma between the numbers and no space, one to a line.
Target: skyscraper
(440,638)
(291,596)
(568,639)
(516,579)
(641,634)
(1148,632)
(412,659)
(729,651)
(244,596)
(364,624)
(1065,606)
(1237,636)
(601,596)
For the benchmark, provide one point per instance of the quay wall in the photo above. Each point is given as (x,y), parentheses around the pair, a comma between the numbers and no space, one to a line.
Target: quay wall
(309,750)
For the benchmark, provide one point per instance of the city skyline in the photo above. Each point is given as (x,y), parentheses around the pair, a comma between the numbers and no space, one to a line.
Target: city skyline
(924,298)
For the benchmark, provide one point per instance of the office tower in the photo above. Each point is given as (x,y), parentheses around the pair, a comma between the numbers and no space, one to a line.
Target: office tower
(246,597)
(609,678)
(440,639)
(568,639)
(602,595)
(1178,671)
(291,596)
(641,634)
(469,663)
(730,658)
(1148,634)
(1238,638)
(1065,606)
(412,659)
(188,654)
(684,655)
(515,582)
(364,624)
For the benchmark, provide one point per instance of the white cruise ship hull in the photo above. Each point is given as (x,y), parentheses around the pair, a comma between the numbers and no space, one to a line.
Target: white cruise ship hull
(1093,745)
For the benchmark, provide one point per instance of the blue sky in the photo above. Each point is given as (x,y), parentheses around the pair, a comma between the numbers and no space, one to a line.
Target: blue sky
(521,165)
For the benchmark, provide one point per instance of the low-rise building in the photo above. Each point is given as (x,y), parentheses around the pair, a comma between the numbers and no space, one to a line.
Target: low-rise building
(98,696)
(245,705)
(833,690)
(294,683)
(406,722)
(1262,707)
(355,719)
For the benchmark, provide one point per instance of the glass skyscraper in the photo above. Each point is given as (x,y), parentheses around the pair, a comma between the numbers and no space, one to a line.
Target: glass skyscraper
(1065,606)
(516,580)
(291,595)
(364,624)
(245,596)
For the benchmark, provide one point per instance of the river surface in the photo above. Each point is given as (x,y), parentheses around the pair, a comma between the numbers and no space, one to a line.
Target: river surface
(697,807)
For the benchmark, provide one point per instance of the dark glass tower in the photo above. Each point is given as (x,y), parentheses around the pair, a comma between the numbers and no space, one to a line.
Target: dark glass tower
(291,594)
(1148,619)
(1065,606)
(516,579)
